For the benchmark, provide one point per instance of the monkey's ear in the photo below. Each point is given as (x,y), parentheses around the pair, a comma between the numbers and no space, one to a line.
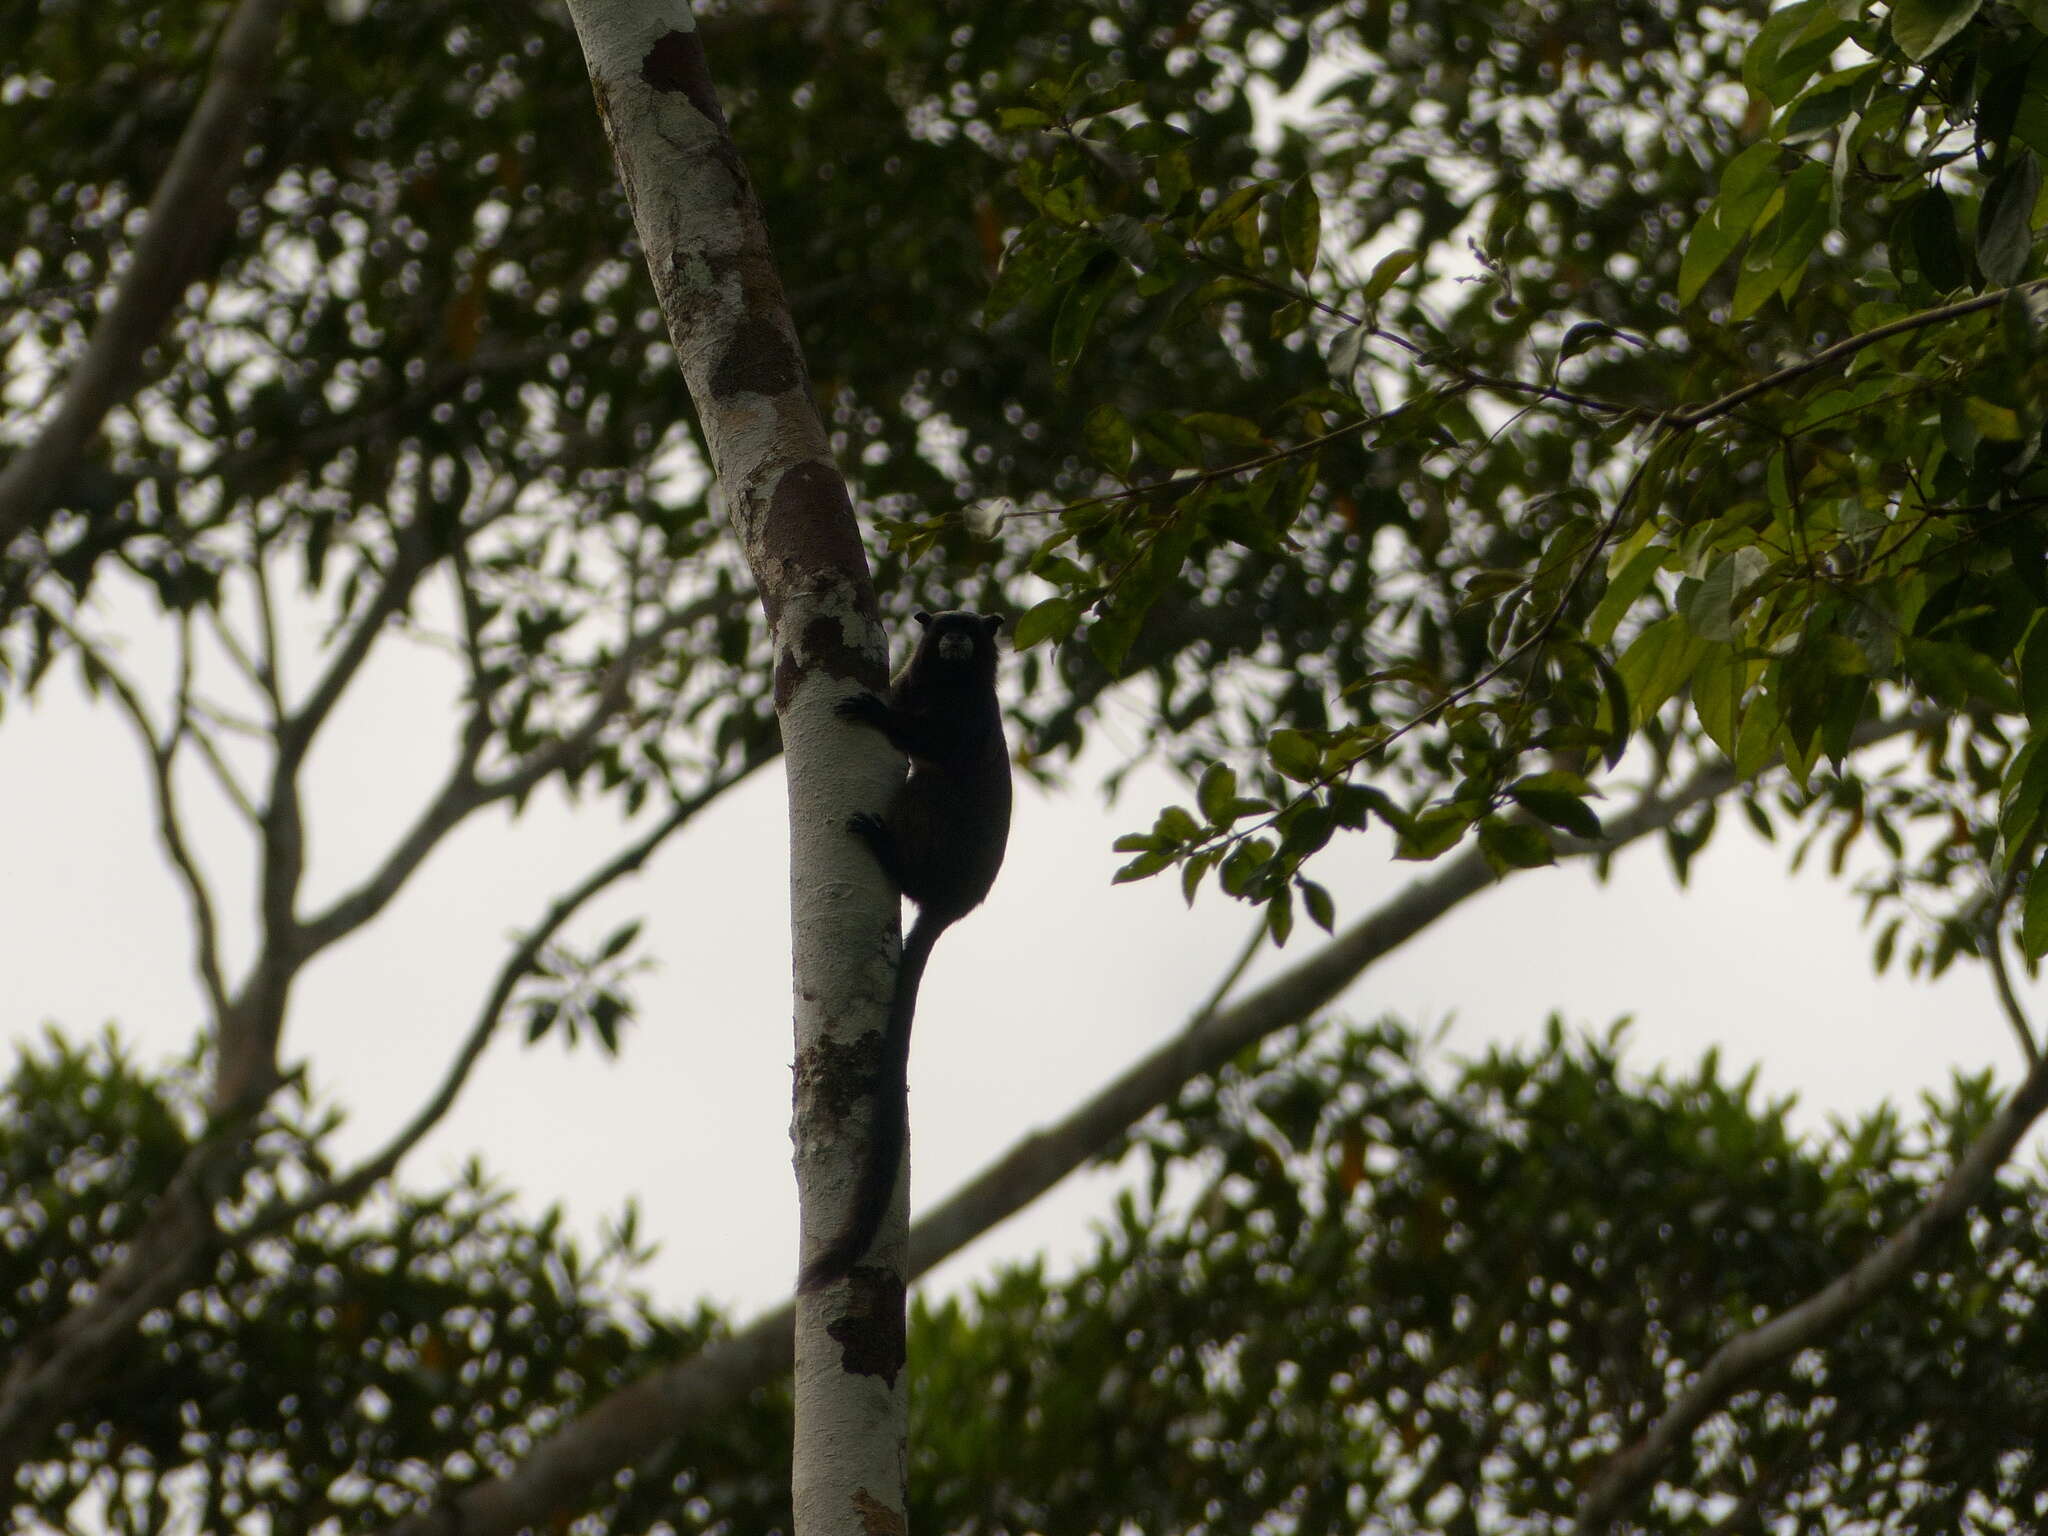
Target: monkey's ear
(994,622)
(922,617)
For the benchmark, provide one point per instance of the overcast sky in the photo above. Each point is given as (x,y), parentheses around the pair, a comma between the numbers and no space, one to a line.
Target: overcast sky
(1059,982)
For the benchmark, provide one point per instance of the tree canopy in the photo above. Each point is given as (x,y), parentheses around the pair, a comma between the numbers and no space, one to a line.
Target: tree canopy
(1513,428)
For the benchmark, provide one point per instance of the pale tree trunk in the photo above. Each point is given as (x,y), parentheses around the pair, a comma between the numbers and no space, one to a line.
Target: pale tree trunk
(708,253)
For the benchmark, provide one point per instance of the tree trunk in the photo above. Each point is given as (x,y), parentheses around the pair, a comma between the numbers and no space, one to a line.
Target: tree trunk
(708,253)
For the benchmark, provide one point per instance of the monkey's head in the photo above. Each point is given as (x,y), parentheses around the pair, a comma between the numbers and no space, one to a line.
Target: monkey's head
(957,646)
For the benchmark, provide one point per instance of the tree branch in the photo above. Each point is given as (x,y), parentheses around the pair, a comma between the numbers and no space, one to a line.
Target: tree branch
(1688,417)
(185,725)
(2001,978)
(297,729)
(635,1421)
(462,793)
(49,1373)
(360,1180)
(184,217)
(162,754)
(1629,1475)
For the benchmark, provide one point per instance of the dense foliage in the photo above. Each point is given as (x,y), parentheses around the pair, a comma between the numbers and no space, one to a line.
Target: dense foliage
(342,1366)
(1412,1292)
(1589,440)
(1421,1298)
(1415,410)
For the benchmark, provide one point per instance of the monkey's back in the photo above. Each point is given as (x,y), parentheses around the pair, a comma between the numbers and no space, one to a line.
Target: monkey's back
(951,819)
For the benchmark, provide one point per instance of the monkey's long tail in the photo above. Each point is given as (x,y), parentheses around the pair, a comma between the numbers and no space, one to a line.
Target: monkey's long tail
(887,1130)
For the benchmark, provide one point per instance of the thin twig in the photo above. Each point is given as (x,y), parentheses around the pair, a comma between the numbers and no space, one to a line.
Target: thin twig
(1231,977)
(185,726)
(1994,951)
(256,674)
(1180,485)
(162,752)
(357,1182)
(463,793)
(1685,419)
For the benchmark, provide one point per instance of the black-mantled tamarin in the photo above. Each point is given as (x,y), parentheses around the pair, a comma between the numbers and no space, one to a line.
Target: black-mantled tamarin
(941,841)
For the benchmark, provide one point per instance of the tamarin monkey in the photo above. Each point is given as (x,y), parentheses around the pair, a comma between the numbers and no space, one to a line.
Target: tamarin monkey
(941,842)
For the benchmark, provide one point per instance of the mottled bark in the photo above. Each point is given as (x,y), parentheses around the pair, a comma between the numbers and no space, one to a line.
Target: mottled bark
(707,251)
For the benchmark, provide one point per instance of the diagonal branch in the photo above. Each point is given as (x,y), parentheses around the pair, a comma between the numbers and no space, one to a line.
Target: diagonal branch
(1687,417)
(2001,977)
(48,1374)
(639,1418)
(411,555)
(1742,1359)
(186,725)
(185,216)
(462,793)
(162,753)
(360,1180)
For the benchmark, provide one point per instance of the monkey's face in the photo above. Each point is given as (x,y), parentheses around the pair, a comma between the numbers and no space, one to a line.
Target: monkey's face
(961,641)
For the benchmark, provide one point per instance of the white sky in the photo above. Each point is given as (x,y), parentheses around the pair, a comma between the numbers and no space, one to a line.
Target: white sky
(1059,982)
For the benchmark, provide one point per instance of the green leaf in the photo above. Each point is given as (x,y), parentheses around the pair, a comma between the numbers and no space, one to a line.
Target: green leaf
(1280,917)
(1053,619)
(1019,119)
(1790,45)
(2034,915)
(1656,665)
(1560,808)
(1937,246)
(1789,229)
(1078,310)
(1824,105)
(1717,696)
(1624,588)
(1746,187)
(1295,755)
(1143,867)
(1301,226)
(1111,635)
(1433,831)
(1386,272)
(1228,208)
(1614,708)
(1711,607)
(1129,238)
(2005,224)
(1484,585)
(1952,674)
(2026,784)
(1218,794)
(1107,437)
(1999,423)
(1959,430)
(2020,327)
(1225,428)
(1514,845)
(1322,910)
(1347,350)
(1756,738)
(1920,27)
(2033,658)
(1167,442)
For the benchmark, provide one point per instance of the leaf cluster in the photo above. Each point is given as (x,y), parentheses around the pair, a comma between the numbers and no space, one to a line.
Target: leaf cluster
(1434,1297)
(348,1368)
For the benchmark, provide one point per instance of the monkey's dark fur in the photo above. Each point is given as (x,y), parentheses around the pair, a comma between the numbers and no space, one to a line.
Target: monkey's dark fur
(941,842)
